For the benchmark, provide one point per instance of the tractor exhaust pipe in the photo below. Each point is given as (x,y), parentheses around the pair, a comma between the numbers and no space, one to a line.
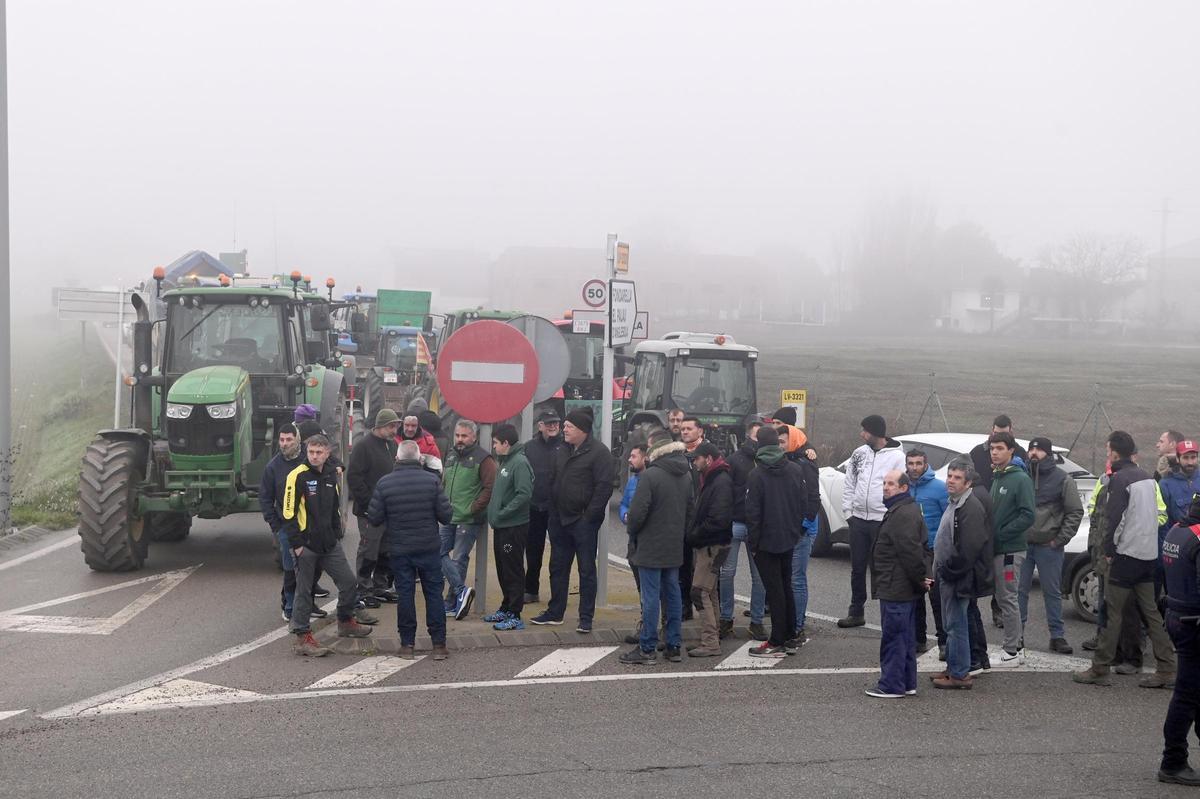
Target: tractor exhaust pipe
(143,366)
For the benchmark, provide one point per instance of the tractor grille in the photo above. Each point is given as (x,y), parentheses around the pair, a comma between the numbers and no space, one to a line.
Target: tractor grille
(200,434)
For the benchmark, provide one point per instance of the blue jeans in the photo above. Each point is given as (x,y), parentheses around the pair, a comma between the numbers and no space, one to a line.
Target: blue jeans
(800,577)
(655,582)
(898,648)
(1049,563)
(958,639)
(575,542)
(287,560)
(457,542)
(428,567)
(758,594)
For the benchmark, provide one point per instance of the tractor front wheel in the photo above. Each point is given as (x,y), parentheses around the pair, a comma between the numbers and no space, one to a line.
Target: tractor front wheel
(165,527)
(112,533)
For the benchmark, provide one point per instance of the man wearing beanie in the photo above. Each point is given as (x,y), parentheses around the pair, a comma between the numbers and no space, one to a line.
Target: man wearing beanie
(582,484)
(862,505)
(1056,517)
(372,458)
(776,506)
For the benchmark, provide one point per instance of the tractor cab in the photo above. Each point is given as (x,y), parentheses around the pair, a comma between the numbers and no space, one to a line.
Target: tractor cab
(585,380)
(357,315)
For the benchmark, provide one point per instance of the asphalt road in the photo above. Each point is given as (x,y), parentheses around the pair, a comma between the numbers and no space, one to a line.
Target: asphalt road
(198,695)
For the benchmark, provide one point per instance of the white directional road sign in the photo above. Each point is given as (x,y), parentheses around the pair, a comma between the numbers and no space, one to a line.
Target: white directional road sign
(88,305)
(622,312)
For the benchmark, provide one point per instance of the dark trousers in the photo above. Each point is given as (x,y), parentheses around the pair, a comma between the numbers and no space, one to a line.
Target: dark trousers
(862,539)
(535,548)
(920,626)
(1184,711)
(508,549)
(776,572)
(685,580)
(1131,642)
(976,635)
(308,563)
(898,647)
(568,543)
(408,568)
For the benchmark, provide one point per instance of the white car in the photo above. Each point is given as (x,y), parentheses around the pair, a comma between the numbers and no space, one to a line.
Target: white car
(1079,582)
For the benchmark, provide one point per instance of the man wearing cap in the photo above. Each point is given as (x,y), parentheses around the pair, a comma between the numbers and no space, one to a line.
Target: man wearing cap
(1056,517)
(373,457)
(710,535)
(1178,487)
(862,505)
(540,451)
(582,484)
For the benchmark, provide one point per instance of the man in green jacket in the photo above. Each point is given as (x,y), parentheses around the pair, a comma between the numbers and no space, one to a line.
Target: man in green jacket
(508,514)
(468,472)
(1012,515)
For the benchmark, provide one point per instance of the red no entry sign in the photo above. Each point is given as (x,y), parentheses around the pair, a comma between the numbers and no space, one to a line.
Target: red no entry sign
(487,371)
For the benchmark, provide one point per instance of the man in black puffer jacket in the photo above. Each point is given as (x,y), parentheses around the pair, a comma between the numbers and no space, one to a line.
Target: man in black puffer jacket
(373,457)
(410,504)
(741,463)
(710,535)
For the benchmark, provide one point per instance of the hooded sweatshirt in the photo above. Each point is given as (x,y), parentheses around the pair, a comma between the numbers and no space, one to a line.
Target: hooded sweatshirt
(712,522)
(512,490)
(661,510)
(1012,509)
(862,490)
(1058,510)
(776,503)
(930,493)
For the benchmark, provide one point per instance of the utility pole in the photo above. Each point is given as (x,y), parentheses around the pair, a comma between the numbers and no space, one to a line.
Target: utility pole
(6,453)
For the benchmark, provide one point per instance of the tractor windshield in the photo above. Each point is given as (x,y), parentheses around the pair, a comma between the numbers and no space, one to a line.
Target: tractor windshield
(713,385)
(401,352)
(233,334)
(585,353)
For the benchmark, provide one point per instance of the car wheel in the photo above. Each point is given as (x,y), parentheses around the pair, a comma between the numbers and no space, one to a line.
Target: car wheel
(1085,592)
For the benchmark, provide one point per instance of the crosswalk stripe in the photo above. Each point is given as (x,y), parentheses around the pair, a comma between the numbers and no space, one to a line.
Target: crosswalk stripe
(565,662)
(7,714)
(367,671)
(741,659)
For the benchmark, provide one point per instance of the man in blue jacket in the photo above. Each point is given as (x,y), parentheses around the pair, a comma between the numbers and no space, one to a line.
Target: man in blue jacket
(410,505)
(1178,487)
(930,495)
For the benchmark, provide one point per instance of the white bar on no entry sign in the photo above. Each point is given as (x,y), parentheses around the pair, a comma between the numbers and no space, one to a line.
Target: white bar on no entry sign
(479,372)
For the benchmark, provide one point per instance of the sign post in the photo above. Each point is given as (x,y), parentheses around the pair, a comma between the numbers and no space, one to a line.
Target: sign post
(795,398)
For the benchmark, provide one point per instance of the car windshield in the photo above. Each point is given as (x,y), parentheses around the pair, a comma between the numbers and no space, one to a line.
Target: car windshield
(234,334)
(713,385)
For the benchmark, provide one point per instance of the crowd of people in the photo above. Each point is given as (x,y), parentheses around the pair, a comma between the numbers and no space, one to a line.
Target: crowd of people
(1001,513)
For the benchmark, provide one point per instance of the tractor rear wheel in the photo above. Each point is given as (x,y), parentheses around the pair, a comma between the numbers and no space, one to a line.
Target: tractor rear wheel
(165,527)
(112,533)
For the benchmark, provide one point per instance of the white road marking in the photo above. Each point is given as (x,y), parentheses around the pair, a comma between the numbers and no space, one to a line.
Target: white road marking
(480,372)
(37,553)
(562,662)
(368,671)
(21,620)
(176,694)
(741,659)
(225,655)
(8,714)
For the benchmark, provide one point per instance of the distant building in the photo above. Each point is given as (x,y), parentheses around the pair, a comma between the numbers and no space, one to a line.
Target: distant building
(980,305)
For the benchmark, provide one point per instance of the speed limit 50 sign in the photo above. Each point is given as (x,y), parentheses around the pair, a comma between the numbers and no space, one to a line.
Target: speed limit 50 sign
(595,293)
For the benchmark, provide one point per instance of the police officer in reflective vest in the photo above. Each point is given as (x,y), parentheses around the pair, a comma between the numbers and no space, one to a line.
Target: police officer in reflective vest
(1181,562)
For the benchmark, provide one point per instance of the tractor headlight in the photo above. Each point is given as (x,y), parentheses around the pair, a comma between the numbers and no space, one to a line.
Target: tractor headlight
(177,411)
(225,410)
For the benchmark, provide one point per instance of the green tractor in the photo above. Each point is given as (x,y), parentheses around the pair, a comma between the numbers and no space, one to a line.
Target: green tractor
(234,361)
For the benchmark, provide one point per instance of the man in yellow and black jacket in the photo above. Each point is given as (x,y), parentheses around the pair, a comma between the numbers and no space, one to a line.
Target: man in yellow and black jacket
(312,523)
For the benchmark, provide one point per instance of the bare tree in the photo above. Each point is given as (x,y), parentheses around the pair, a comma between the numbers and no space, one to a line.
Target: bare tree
(1098,269)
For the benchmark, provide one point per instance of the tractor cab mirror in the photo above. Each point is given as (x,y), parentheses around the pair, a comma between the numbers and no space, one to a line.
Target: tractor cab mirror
(427,325)
(358,322)
(318,315)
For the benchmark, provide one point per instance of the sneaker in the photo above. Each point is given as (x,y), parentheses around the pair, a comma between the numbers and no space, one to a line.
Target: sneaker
(352,629)
(725,629)
(308,646)
(1061,646)
(942,652)
(636,657)
(496,616)
(979,668)
(509,623)
(878,694)
(702,652)
(362,616)
(286,616)
(953,683)
(1184,776)
(673,654)
(636,636)
(1010,660)
(1091,644)
(1126,669)
(757,632)
(1158,680)
(801,637)
(746,613)
(439,652)
(545,618)
(369,601)
(923,646)
(766,650)
(791,646)
(465,598)
(911,692)
(320,591)
(387,595)
(406,652)
(317,613)
(584,627)
(532,599)
(1091,677)
(851,621)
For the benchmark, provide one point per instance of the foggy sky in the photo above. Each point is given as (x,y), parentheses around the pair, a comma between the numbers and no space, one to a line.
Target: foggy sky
(323,136)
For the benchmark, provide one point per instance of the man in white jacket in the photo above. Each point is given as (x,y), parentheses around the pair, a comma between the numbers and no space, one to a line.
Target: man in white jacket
(862,504)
